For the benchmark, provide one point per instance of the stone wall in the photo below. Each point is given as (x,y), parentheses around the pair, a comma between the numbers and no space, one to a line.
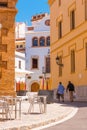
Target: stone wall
(48,93)
(7,46)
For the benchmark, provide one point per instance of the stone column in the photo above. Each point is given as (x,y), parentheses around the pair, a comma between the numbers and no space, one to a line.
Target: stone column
(7,46)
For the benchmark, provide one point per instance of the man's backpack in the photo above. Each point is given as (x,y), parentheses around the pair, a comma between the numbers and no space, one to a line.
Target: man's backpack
(71,87)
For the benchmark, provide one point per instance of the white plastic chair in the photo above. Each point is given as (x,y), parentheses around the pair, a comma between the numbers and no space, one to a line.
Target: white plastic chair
(34,99)
(4,109)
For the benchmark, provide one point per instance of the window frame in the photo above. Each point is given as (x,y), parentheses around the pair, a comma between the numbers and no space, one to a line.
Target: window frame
(41,38)
(85,9)
(34,45)
(48,41)
(19,64)
(72,61)
(72,19)
(59,29)
(33,64)
(59,2)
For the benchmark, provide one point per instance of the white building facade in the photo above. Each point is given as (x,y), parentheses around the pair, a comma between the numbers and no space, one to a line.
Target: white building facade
(37,51)
(19,67)
(20,28)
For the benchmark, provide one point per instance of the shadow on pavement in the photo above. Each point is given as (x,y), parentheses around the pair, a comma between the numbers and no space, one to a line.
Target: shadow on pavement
(74,104)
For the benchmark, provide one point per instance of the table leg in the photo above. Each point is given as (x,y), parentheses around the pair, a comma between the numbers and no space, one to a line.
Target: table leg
(15,109)
(45,105)
(20,109)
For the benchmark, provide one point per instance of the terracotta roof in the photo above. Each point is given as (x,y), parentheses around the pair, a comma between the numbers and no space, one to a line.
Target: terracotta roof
(37,17)
(30,28)
(19,39)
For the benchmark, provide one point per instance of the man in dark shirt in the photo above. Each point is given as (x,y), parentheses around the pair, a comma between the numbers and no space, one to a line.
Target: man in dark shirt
(71,89)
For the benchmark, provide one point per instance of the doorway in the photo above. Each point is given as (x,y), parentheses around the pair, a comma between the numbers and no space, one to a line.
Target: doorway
(35,87)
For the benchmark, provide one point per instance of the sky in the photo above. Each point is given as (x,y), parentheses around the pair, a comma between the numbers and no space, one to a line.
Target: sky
(28,8)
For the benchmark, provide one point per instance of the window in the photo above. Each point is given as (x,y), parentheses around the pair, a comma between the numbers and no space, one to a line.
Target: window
(21,46)
(72,19)
(17,46)
(35,41)
(19,64)
(48,41)
(72,61)
(60,68)
(47,64)
(85,9)
(59,2)
(34,63)
(47,22)
(38,16)
(3,4)
(60,29)
(42,41)
(86,55)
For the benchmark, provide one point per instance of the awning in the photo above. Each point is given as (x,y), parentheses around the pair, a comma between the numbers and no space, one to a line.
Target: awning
(22,72)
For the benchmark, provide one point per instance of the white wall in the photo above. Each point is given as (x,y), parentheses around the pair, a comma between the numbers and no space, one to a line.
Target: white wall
(40,29)
(19,57)
(20,28)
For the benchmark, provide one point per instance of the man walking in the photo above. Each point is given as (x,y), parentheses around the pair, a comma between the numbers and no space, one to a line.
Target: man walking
(71,89)
(60,91)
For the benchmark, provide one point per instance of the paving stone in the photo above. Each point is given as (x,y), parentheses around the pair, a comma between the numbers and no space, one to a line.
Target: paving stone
(55,112)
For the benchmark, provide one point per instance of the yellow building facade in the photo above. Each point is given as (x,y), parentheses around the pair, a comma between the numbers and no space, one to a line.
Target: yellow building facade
(7,46)
(69,41)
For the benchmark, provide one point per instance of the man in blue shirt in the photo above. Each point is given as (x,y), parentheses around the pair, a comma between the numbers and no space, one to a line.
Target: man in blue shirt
(60,91)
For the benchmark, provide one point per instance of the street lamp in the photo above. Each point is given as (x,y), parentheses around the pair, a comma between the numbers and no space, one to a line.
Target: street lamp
(44,77)
(44,71)
(58,61)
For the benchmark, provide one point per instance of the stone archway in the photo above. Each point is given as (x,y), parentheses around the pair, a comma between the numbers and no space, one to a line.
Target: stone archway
(35,87)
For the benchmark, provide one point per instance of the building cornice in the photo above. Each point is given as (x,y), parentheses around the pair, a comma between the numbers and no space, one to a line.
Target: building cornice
(50,2)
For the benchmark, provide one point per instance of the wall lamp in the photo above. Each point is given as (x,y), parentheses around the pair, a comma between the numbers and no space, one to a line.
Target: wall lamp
(58,61)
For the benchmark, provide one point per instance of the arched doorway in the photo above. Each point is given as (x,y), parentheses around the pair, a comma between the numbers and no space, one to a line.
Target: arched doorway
(35,87)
